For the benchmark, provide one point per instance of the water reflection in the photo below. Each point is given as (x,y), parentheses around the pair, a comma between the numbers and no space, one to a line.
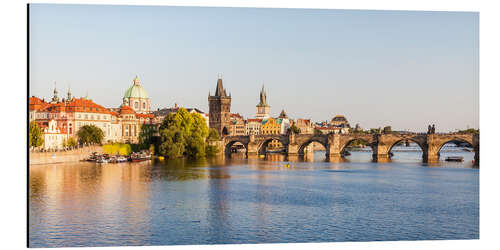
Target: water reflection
(239,200)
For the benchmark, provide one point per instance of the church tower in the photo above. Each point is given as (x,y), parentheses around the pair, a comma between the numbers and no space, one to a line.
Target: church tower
(55,99)
(219,109)
(263,108)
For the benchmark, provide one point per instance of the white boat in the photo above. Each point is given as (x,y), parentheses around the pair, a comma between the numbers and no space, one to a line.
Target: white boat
(101,160)
(121,159)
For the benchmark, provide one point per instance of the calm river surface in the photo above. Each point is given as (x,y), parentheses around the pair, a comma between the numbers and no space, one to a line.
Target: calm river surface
(219,201)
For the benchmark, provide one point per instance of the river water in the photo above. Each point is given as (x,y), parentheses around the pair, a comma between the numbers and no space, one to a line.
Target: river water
(237,200)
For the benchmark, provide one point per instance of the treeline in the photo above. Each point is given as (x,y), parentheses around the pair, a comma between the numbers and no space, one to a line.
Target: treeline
(386,130)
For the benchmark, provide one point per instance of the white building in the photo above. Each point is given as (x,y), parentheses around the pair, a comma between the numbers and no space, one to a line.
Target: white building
(252,126)
(53,136)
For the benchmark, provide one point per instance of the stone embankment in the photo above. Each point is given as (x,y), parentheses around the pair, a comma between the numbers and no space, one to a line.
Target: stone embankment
(74,155)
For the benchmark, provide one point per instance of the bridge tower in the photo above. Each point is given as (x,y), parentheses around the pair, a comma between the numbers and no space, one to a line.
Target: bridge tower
(219,109)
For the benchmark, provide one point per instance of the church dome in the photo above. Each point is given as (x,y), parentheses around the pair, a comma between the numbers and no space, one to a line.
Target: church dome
(136,90)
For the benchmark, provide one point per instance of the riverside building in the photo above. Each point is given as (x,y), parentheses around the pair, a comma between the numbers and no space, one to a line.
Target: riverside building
(67,115)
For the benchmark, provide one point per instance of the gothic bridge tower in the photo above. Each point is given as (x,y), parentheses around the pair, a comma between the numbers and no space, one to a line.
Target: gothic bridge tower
(219,109)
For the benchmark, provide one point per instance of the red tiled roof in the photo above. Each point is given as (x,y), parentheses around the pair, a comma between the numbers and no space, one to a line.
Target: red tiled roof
(237,115)
(126,110)
(36,103)
(74,105)
(254,120)
(144,115)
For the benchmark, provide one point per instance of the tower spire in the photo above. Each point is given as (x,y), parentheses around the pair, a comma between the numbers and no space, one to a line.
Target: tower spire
(69,92)
(220,91)
(263,97)
(55,98)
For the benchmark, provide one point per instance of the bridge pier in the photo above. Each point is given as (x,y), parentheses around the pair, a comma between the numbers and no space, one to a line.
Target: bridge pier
(430,157)
(381,158)
(334,157)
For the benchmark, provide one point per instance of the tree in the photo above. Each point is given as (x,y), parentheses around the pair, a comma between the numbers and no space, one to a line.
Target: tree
(469,131)
(213,134)
(35,136)
(387,129)
(183,134)
(71,142)
(146,135)
(317,132)
(294,129)
(90,134)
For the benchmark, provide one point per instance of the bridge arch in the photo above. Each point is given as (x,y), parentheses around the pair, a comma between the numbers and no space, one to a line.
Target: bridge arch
(420,145)
(262,147)
(308,142)
(455,139)
(227,147)
(350,140)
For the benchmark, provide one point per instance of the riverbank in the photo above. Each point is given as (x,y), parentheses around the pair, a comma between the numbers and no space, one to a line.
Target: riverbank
(75,155)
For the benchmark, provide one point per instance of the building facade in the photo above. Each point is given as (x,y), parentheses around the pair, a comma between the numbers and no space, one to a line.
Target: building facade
(53,136)
(272,126)
(305,126)
(69,115)
(253,126)
(340,121)
(237,125)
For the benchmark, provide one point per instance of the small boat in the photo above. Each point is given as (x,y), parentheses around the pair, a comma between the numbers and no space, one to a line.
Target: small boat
(121,158)
(454,158)
(113,159)
(101,160)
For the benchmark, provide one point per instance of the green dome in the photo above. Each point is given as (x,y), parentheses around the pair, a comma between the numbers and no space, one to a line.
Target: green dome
(136,90)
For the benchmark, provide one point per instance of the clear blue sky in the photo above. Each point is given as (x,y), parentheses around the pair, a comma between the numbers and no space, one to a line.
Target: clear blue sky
(401,68)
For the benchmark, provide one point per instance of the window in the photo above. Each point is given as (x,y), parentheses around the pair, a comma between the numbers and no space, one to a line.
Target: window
(144,105)
(136,105)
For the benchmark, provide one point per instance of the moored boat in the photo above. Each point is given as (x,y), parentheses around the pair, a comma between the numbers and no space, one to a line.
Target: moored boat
(101,160)
(454,158)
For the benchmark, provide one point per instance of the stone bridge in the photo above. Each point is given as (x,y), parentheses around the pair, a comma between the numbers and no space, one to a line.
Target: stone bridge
(381,144)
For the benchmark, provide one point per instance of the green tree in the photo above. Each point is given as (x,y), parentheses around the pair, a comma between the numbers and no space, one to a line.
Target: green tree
(469,131)
(71,142)
(294,129)
(146,135)
(90,134)
(317,132)
(35,136)
(183,134)
(213,134)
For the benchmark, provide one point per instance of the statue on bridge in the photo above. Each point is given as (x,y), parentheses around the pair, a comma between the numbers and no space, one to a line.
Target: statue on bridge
(431,129)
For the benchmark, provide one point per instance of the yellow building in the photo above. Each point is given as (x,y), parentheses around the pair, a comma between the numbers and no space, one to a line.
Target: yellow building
(272,126)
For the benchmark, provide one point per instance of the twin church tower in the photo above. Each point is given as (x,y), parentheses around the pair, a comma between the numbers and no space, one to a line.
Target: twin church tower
(220,108)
